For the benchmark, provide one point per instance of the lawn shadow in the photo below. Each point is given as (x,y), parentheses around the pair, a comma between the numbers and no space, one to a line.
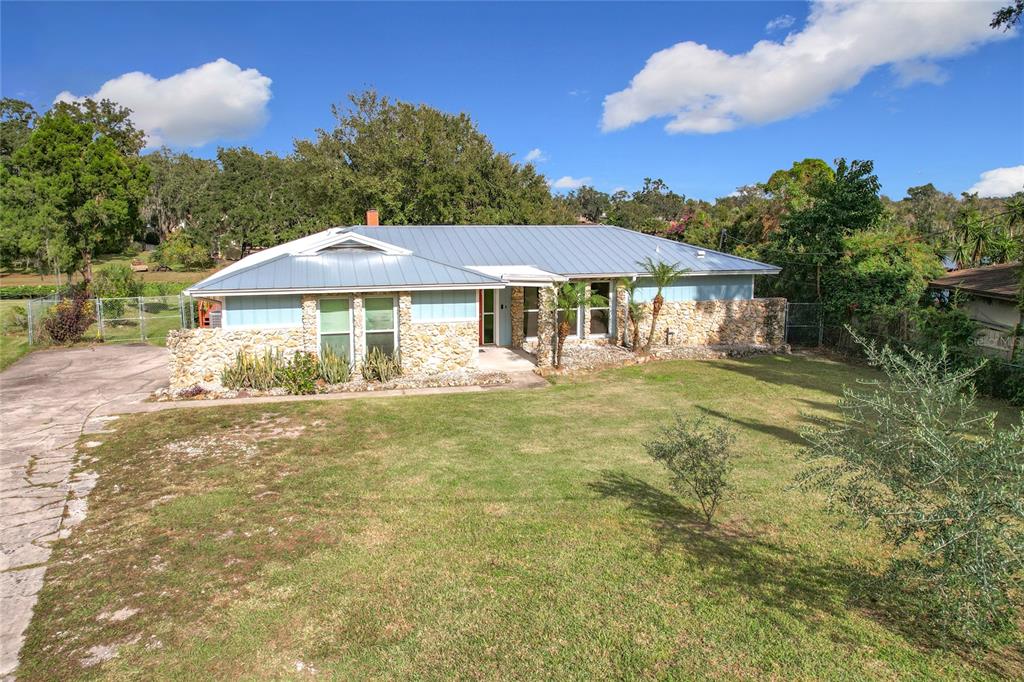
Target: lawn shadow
(805,371)
(791,436)
(792,586)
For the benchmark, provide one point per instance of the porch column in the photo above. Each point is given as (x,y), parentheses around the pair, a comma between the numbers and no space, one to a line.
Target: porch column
(545,326)
(310,312)
(516,311)
(622,330)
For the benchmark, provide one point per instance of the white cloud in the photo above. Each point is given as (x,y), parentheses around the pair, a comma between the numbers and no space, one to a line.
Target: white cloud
(218,100)
(908,73)
(569,182)
(705,90)
(535,155)
(779,23)
(1000,182)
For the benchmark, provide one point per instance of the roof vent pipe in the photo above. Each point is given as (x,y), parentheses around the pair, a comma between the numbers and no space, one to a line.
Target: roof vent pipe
(701,254)
(372,218)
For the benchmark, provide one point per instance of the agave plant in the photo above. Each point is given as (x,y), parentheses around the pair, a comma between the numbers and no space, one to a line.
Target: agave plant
(663,275)
(571,297)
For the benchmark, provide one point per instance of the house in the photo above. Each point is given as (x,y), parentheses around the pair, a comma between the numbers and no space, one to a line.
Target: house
(990,297)
(436,294)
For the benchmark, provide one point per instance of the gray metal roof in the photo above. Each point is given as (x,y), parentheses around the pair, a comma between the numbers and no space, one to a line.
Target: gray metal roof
(441,255)
(570,250)
(343,269)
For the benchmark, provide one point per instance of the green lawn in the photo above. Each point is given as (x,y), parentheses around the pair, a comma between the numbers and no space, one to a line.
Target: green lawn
(501,534)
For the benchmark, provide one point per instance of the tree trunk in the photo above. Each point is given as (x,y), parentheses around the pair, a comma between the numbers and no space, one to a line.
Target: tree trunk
(87,267)
(636,333)
(563,332)
(659,300)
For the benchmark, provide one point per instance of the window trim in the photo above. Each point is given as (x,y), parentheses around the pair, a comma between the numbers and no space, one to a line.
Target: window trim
(611,294)
(351,326)
(394,324)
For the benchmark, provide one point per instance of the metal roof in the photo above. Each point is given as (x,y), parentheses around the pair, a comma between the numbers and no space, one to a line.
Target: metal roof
(442,254)
(570,250)
(345,269)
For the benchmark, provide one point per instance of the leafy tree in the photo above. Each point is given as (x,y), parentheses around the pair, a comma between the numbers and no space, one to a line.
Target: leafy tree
(663,275)
(698,456)
(589,203)
(16,120)
(108,119)
(70,192)
(911,456)
(181,193)
(1009,16)
(569,298)
(114,282)
(634,313)
(181,252)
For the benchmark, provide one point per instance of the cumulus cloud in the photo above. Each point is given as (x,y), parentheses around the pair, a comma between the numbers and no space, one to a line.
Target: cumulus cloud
(569,182)
(1000,182)
(705,90)
(779,23)
(218,100)
(535,155)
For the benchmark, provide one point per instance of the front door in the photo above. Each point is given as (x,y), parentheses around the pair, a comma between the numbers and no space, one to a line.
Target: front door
(488,320)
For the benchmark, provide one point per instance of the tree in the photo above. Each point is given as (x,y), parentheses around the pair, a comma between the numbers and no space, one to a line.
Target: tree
(698,456)
(569,299)
(107,119)
(663,275)
(181,193)
(912,456)
(1009,16)
(70,192)
(16,120)
(589,203)
(634,313)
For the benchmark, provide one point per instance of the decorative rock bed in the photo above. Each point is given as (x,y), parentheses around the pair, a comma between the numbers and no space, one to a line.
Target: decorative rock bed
(587,357)
(356,385)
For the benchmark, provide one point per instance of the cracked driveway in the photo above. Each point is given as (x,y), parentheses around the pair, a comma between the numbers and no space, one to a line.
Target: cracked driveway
(47,400)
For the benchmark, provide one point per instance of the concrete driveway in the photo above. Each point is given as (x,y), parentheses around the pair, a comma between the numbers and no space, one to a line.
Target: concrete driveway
(47,400)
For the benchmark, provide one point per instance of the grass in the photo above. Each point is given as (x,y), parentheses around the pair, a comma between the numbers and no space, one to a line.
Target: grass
(500,534)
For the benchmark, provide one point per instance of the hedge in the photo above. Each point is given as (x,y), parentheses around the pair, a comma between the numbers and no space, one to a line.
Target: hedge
(40,290)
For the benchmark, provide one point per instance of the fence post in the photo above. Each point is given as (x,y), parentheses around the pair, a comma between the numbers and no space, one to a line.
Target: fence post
(821,326)
(142,320)
(181,310)
(99,315)
(30,324)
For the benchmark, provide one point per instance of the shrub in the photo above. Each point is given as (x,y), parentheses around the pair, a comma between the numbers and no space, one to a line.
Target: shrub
(14,319)
(27,291)
(299,376)
(180,252)
(913,456)
(698,458)
(113,283)
(67,321)
(252,372)
(333,368)
(379,366)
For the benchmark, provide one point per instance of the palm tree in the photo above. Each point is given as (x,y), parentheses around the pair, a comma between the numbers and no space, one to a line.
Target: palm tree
(571,297)
(634,311)
(663,274)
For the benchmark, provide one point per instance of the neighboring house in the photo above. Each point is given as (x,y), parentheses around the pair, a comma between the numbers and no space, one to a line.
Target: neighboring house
(990,298)
(437,293)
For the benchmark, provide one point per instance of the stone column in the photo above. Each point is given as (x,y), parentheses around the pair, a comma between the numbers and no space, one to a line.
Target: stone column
(516,311)
(310,315)
(545,326)
(358,337)
(622,329)
(585,326)
(404,321)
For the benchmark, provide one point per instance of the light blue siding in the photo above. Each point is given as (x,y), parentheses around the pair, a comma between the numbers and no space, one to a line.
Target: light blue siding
(263,311)
(700,288)
(443,306)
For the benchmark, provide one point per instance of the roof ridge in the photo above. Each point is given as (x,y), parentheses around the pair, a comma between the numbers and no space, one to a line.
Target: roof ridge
(693,246)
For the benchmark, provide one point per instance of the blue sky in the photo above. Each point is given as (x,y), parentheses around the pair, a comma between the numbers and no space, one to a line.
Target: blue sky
(939,99)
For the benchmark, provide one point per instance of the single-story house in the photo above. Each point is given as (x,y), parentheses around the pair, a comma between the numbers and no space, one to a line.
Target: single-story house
(436,294)
(990,297)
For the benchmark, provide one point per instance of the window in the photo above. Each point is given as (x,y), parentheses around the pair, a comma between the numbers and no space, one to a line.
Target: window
(600,316)
(444,306)
(531,308)
(336,326)
(379,314)
(574,324)
(263,311)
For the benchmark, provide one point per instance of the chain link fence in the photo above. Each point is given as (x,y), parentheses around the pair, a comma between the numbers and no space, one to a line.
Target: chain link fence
(805,324)
(139,319)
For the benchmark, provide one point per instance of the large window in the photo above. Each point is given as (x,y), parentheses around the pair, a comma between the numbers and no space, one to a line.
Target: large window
(531,308)
(574,325)
(336,326)
(381,326)
(263,311)
(600,316)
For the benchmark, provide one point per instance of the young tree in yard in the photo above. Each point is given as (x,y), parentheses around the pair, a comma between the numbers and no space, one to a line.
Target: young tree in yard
(698,457)
(663,275)
(912,455)
(570,297)
(71,191)
(634,312)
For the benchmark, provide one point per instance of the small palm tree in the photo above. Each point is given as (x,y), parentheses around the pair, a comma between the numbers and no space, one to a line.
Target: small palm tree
(571,297)
(663,274)
(634,311)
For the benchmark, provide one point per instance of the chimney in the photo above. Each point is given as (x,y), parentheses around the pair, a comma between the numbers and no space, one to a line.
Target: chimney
(372,218)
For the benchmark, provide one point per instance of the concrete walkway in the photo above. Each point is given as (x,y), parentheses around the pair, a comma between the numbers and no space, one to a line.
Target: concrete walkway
(49,399)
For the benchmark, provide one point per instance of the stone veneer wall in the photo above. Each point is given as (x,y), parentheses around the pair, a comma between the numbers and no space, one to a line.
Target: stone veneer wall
(198,356)
(434,347)
(760,321)
(516,309)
